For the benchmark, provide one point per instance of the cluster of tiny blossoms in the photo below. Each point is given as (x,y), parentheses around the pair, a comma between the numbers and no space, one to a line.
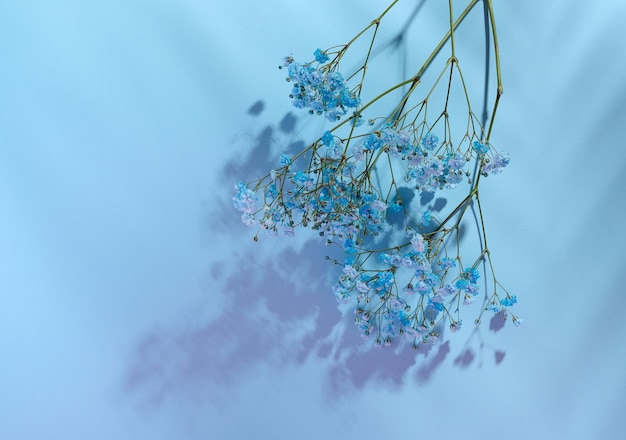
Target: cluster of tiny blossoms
(402,269)
(319,87)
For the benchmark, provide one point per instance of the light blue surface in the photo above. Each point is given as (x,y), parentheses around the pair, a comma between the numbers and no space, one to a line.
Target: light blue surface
(134,306)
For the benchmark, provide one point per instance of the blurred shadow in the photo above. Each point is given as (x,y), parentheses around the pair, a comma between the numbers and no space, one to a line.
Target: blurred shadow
(497,321)
(257,108)
(278,309)
(425,372)
(465,358)
(473,350)
(288,123)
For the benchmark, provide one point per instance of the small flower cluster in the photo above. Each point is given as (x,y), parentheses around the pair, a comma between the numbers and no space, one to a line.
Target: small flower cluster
(413,282)
(430,171)
(245,202)
(319,87)
(384,311)
(328,197)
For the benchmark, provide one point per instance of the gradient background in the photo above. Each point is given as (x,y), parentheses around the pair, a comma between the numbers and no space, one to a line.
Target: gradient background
(133,304)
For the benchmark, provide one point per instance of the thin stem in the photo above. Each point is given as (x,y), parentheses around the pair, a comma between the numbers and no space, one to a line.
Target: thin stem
(373,23)
(453,55)
(435,52)
(498,71)
(487,56)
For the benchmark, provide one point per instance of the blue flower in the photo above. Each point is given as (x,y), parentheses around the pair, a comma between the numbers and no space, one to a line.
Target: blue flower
(445,291)
(461,284)
(419,244)
(348,246)
(426,218)
(508,301)
(303,180)
(322,91)
(271,192)
(430,141)
(327,138)
(496,164)
(331,144)
(447,263)
(385,279)
(480,148)
(245,199)
(285,160)
(372,143)
(455,162)
(342,295)
(320,56)
(473,275)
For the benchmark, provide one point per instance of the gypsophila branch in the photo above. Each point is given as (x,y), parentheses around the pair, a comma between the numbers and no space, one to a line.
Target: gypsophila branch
(404,266)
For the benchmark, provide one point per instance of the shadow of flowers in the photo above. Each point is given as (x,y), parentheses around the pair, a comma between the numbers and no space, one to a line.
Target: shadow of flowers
(277,308)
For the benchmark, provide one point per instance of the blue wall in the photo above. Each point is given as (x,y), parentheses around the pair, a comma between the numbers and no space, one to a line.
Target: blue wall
(133,304)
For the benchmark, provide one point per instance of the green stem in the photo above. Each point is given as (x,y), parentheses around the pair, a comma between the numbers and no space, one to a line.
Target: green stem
(498,71)
(430,59)
(373,23)
(451,29)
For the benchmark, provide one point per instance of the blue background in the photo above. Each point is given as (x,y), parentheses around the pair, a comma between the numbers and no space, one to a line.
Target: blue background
(134,305)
